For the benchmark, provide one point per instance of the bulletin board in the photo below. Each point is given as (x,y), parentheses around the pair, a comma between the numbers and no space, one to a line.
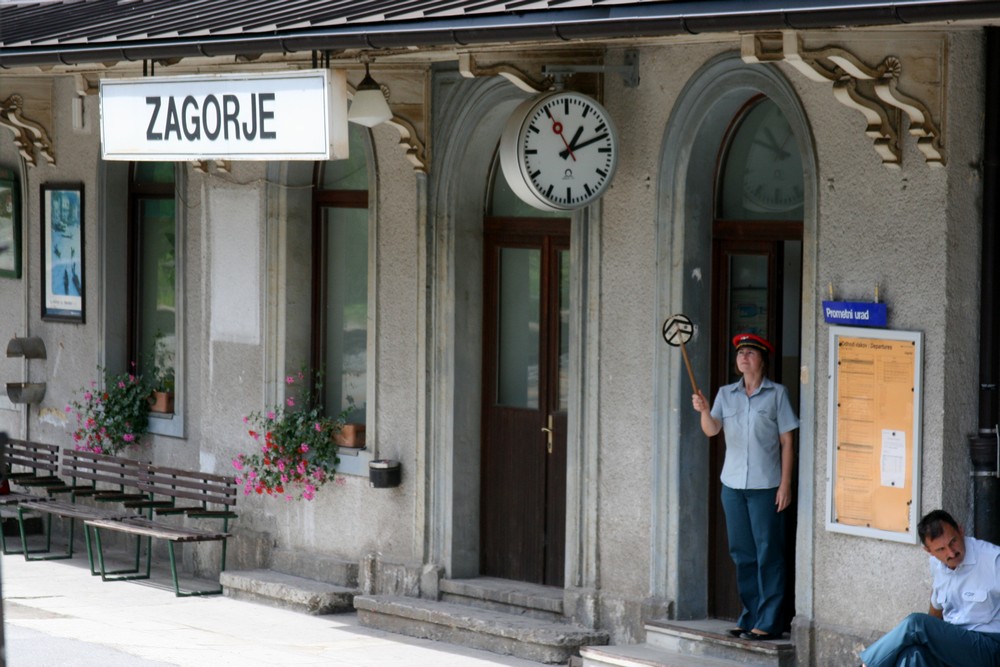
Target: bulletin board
(873,478)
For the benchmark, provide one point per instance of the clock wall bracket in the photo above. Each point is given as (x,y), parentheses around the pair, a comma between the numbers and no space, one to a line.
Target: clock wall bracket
(874,91)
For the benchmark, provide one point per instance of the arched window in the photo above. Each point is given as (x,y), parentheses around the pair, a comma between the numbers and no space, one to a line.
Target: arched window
(343,252)
(761,175)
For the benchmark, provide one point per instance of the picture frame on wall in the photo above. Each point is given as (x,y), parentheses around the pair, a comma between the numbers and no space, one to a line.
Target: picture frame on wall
(63,269)
(10,225)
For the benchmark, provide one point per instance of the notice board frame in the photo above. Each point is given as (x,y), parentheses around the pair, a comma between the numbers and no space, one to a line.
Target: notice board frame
(889,354)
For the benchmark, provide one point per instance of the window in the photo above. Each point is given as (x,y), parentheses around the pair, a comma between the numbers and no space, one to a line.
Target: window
(152,321)
(343,240)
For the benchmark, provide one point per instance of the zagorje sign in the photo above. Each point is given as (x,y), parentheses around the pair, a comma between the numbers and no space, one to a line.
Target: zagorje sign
(275,116)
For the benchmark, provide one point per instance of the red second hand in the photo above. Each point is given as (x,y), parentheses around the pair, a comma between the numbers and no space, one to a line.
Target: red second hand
(557,127)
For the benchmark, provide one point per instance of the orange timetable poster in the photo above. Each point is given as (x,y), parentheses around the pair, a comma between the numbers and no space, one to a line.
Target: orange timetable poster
(875,431)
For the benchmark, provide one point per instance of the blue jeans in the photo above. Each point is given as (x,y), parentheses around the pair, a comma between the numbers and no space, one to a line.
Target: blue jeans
(756,533)
(921,640)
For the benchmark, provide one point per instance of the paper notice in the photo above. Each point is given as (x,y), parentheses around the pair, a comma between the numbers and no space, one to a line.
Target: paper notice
(893,465)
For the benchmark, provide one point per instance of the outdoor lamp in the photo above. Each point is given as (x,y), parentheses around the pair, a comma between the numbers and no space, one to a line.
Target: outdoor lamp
(369,107)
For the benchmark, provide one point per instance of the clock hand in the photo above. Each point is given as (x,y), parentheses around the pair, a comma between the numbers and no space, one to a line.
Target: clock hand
(557,127)
(580,145)
(779,151)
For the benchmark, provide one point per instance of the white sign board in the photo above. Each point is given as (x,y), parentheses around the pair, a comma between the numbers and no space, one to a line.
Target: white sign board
(275,116)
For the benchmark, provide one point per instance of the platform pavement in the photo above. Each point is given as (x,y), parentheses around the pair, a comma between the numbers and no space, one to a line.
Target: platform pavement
(137,624)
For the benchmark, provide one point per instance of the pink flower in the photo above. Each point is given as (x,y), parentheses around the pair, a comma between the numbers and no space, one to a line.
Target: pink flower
(281,466)
(301,467)
(289,380)
(270,415)
(310,492)
(121,385)
(128,437)
(87,396)
(303,448)
(290,401)
(238,464)
(69,408)
(246,420)
(318,426)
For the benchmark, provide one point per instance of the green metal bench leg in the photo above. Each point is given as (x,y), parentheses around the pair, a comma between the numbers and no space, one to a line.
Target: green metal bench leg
(173,573)
(48,539)
(7,551)
(121,575)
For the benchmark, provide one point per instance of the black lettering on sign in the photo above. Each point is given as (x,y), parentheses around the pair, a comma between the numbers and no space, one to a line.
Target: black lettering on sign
(189,119)
(230,115)
(250,133)
(150,135)
(173,121)
(184,119)
(265,115)
(211,101)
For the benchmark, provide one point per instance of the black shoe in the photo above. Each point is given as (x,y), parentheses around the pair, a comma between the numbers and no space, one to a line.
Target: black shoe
(735,632)
(759,636)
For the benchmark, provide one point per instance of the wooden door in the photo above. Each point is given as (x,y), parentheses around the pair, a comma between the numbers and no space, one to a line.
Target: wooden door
(525,364)
(757,289)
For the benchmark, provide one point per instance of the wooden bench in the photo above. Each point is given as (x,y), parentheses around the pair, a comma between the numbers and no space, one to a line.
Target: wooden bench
(101,477)
(30,465)
(174,492)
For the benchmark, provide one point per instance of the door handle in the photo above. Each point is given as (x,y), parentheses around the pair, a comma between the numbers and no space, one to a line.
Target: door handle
(548,435)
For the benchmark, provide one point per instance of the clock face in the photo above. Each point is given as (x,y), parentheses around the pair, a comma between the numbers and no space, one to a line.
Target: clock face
(559,151)
(772,179)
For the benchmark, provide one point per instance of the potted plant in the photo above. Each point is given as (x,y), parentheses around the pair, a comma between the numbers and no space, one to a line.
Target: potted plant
(294,445)
(161,399)
(112,417)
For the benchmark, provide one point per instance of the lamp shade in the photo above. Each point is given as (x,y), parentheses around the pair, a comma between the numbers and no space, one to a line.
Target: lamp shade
(369,107)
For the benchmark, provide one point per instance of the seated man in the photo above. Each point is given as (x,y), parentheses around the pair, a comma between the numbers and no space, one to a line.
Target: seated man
(962,628)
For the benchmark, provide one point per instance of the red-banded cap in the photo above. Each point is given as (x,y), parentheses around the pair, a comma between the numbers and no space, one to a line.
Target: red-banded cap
(752,340)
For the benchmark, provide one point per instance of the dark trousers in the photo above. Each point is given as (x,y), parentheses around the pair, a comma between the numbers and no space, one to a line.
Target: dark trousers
(921,640)
(756,533)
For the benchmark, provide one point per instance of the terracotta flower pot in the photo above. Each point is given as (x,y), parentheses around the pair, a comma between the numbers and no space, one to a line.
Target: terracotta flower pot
(161,401)
(351,435)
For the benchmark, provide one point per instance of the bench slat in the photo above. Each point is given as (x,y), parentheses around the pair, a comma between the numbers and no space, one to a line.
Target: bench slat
(147,528)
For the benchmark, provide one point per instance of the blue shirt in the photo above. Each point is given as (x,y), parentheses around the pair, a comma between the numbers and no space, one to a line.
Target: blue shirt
(969,595)
(751,425)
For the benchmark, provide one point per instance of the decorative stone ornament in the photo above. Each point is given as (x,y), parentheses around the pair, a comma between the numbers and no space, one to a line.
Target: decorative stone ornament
(871,90)
(559,151)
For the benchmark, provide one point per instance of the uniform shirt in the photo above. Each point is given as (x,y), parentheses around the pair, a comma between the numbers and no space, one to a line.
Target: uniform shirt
(752,425)
(969,595)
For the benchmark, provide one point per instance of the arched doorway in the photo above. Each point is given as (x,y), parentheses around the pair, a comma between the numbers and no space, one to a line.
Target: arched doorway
(756,288)
(704,115)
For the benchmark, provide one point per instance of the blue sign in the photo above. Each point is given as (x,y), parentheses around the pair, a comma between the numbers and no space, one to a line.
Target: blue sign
(855,313)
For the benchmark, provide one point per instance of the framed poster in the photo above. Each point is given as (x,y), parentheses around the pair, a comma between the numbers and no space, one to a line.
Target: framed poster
(10,225)
(62,253)
(873,480)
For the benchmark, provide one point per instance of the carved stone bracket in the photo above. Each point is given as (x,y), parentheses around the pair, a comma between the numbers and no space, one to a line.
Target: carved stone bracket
(871,90)
(29,137)
(411,142)
(407,89)
(202,166)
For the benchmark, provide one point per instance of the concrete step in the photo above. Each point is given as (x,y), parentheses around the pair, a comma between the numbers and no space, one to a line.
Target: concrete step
(644,655)
(507,634)
(708,638)
(288,591)
(318,566)
(504,595)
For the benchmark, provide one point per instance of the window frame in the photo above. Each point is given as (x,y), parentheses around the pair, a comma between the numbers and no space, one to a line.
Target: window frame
(353,461)
(168,424)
